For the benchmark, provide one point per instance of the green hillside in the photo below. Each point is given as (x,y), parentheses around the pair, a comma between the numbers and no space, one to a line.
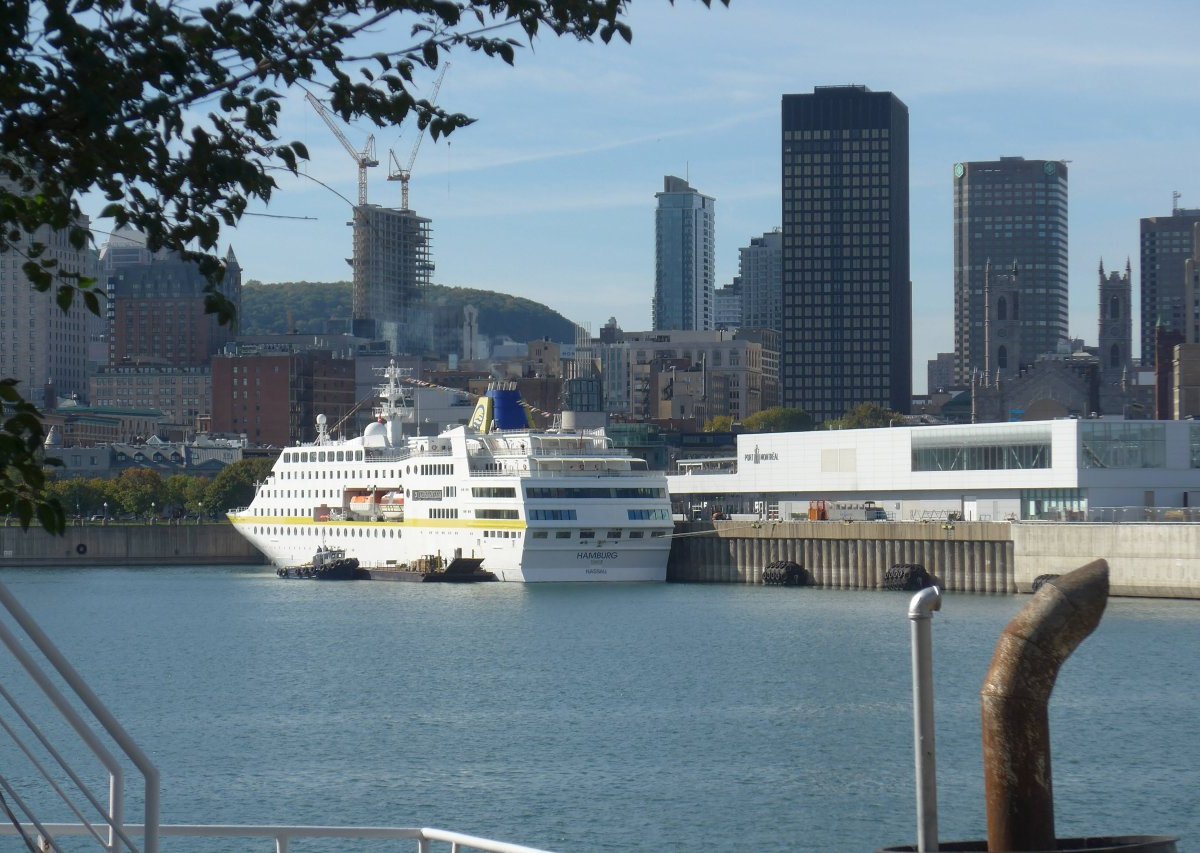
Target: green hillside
(313,305)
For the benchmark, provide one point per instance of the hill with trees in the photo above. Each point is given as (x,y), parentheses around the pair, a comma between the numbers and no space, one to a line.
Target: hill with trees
(313,304)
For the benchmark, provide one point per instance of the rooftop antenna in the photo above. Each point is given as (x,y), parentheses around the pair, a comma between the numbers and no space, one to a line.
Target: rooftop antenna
(1176,195)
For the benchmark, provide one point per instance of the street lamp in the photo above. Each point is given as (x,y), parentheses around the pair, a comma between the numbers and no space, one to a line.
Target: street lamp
(153,514)
(106,512)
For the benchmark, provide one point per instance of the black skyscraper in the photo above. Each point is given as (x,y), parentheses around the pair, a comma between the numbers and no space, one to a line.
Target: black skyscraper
(847,297)
(1011,212)
(1166,246)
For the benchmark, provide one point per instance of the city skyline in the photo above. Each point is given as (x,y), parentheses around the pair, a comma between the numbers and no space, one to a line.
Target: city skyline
(550,195)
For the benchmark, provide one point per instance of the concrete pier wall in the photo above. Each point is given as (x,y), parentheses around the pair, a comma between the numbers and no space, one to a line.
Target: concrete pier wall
(1154,560)
(975,556)
(127,545)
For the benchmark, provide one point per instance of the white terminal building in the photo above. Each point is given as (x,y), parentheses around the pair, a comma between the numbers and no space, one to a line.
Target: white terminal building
(1060,469)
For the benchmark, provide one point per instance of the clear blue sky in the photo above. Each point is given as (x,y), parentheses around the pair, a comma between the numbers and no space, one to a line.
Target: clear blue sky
(550,195)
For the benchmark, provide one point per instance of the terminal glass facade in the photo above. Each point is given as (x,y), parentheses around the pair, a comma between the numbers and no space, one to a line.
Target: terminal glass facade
(981,449)
(1127,444)
(1053,504)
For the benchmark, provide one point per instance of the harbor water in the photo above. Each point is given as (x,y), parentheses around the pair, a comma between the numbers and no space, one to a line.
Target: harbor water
(604,717)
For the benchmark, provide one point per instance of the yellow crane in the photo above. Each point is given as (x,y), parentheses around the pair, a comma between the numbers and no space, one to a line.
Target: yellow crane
(395,173)
(364,158)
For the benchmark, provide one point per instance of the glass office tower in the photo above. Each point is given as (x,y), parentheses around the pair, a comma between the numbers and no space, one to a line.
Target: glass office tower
(847,297)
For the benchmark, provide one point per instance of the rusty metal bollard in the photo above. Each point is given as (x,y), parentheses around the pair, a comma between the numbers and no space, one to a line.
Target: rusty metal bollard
(1016,696)
(1016,722)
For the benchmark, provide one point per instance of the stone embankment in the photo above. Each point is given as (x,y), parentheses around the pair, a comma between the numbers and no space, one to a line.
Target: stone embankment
(127,545)
(1155,560)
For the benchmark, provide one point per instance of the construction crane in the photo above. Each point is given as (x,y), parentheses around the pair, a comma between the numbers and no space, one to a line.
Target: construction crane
(364,158)
(395,173)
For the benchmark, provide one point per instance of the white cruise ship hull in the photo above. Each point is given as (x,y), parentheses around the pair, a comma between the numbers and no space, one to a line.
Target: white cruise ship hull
(517,558)
(535,507)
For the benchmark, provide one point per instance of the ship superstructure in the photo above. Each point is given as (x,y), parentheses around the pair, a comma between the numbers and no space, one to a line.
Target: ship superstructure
(553,505)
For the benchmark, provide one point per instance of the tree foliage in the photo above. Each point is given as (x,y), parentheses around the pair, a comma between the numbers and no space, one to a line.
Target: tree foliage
(170,112)
(234,486)
(266,308)
(778,419)
(503,315)
(866,416)
(721,423)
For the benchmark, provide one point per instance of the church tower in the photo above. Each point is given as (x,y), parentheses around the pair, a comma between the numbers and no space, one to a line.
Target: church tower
(1002,329)
(1116,325)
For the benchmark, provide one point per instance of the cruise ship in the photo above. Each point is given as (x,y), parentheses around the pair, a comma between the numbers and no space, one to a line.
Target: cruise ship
(535,506)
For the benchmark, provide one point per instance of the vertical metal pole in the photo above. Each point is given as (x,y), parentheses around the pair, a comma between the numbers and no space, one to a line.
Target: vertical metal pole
(920,613)
(116,811)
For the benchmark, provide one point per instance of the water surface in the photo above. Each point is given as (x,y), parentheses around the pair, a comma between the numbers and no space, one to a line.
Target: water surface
(614,717)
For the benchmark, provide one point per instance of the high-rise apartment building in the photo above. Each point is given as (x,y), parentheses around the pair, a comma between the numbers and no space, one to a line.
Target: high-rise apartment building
(1166,244)
(41,346)
(1011,212)
(846,293)
(392,269)
(1191,276)
(761,272)
(939,373)
(685,267)
(727,306)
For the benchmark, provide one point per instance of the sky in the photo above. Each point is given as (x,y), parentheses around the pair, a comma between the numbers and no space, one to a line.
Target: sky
(550,194)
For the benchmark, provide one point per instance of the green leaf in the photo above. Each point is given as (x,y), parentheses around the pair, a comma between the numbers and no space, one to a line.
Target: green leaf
(64,297)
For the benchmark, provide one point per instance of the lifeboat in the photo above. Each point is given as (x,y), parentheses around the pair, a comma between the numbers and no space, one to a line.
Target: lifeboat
(391,506)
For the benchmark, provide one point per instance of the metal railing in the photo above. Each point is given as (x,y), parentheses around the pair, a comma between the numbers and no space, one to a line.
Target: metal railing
(106,825)
(284,835)
(1120,514)
(109,829)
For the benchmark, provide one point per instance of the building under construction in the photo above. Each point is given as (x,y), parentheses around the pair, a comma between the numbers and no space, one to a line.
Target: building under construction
(392,267)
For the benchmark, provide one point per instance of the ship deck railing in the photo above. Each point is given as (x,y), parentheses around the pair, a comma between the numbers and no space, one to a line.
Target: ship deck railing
(383,454)
(282,835)
(544,474)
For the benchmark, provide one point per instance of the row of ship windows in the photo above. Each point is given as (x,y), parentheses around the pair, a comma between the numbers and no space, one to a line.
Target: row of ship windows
(568,493)
(350,533)
(591,534)
(572,515)
(323,456)
(354,456)
(336,532)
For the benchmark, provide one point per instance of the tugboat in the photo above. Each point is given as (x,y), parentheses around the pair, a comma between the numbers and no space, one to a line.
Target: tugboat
(328,564)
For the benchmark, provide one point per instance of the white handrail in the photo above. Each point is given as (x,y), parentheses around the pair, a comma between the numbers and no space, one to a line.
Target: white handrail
(115,730)
(282,835)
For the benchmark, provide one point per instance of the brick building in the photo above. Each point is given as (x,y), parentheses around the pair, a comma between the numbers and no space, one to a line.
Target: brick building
(273,395)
